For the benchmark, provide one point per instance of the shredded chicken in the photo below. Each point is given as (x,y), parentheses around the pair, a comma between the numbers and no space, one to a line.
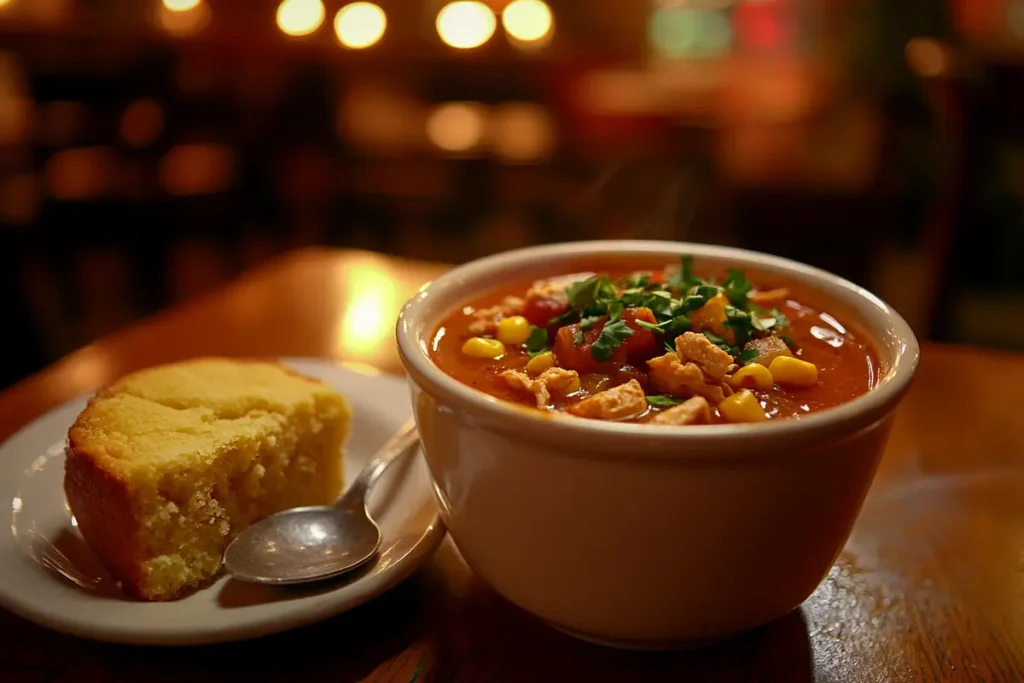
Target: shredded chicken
(618,403)
(692,411)
(671,376)
(486,319)
(698,349)
(558,381)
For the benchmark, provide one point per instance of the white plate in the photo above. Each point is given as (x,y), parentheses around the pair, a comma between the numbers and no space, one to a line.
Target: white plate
(49,576)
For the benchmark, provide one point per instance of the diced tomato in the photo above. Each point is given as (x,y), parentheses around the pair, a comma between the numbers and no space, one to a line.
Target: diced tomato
(643,344)
(540,310)
(636,349)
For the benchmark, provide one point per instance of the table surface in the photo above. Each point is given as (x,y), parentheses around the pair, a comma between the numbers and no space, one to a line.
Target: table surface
(930,586)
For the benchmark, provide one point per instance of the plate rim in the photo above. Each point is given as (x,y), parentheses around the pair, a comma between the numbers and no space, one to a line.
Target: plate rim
(422,549)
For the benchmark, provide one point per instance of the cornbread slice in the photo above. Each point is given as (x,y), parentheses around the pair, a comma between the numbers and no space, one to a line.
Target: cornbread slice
(168,464)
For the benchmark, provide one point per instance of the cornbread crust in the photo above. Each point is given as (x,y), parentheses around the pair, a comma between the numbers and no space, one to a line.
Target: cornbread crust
(167,464)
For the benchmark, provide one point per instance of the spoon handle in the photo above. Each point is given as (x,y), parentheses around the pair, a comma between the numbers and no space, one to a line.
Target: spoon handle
(404,440)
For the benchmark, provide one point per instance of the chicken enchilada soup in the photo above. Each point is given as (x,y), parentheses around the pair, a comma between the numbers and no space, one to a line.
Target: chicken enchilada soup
(664,347)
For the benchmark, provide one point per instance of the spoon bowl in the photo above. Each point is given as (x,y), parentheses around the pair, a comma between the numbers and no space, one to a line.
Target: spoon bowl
(306,544)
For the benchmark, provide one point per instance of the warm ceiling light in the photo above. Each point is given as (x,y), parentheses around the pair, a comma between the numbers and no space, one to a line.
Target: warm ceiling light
(184,22)
(466,24)
(527,20)
(300,17)
(360,25)
(175,5)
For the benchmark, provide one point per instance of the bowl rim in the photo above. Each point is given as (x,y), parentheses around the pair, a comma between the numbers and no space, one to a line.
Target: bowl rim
(528,423)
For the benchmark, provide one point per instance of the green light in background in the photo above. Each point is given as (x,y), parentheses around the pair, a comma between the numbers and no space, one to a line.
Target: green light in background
(715,35)
(673,31)
(688,32)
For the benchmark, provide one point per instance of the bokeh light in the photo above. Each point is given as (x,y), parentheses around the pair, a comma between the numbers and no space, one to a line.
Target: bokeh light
(80,174)
(927,57)
(528,21)
(689,32)
(360,25)
(182,21)
(457,126)
(759,26)
(196,168)
(300,17)
(673,32)
(142,123)
(523,132)
(175,5)
(466,24)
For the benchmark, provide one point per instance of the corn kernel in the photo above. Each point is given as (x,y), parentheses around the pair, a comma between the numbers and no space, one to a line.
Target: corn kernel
(480,347)
(751,376)
(742,407)
(540,363)
(514,330)
(793,371)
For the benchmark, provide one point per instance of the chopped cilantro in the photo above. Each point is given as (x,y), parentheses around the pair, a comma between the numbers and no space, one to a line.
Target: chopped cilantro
(611,337)
(789,340)
(677,326)
(537,342)
(747,355)
(709,292)
(686,277)
(718,341)
(582,294)
(651,327)
(590,292)
(564,319)
(672,304)
(662,401)
(579,337)
(669,348)
(615,309)
(737,286)
(692,302)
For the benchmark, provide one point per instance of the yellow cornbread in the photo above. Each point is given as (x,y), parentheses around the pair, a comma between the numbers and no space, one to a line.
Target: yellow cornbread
(168,464)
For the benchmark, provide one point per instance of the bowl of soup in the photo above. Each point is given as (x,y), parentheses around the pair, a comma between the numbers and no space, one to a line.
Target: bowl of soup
(652,444)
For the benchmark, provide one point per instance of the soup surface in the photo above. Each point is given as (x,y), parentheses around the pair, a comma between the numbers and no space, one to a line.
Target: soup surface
(659,346)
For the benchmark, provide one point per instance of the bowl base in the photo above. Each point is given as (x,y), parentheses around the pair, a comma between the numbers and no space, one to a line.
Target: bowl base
(640,645)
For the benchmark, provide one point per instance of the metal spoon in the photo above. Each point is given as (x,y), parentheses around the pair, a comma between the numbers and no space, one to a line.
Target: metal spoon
(307,544)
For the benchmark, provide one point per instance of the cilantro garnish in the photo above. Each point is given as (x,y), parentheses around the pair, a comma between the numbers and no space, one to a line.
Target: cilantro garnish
(651,327)
(720,342)
(663,401)
(537,342)
(737,286)
(747,355)
(615,309)
(672,305)
(611,337)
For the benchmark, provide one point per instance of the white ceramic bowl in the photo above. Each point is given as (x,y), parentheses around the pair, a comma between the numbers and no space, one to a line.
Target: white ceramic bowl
(640,537)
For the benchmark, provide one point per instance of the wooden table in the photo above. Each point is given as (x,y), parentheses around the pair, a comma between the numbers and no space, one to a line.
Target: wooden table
(929,588)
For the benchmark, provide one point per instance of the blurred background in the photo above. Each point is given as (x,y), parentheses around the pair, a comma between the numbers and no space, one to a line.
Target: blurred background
(151,150)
